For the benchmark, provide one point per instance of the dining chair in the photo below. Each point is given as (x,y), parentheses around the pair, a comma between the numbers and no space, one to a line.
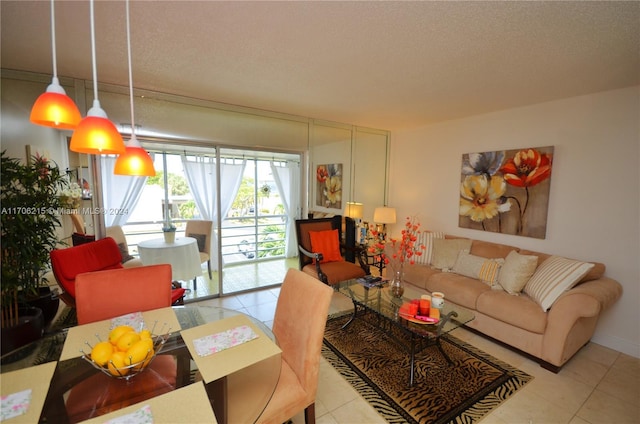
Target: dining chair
(298,325)
(116,233)
(201,231)
(102,295)
(321,251)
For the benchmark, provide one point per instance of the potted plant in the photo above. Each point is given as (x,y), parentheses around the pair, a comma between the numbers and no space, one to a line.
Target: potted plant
(31,212)
(169,230)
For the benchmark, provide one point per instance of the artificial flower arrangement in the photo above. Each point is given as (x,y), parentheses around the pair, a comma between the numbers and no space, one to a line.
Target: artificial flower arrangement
(405,249)
(70,196)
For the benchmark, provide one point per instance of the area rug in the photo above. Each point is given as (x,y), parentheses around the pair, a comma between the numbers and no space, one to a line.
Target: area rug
(464,392)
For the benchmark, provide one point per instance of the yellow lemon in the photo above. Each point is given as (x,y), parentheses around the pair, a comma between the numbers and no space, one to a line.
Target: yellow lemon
(127,340)
(145,334)
(118,331)
(117,363)
(139,351)
(101,353)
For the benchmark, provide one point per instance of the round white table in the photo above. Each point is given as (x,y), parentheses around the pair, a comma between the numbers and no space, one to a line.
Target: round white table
(182,255)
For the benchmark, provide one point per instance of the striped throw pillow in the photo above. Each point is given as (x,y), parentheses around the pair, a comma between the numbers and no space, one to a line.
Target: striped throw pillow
(483,269)
(553,277)
(426,238)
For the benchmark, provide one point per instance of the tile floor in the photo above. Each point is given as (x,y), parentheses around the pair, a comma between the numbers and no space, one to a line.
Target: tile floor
(598,386)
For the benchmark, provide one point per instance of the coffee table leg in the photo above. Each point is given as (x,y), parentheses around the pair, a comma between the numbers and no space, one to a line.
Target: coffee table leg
(353,316)
(412,360)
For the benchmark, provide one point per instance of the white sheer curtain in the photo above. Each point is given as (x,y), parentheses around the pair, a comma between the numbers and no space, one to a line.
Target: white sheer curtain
(202,178)
(119,192)
(287,180)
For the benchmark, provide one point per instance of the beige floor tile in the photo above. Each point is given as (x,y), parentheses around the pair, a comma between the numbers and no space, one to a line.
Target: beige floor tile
(622,382)
(357,411)
(563,392)
(528,407)
(251,299)
(262,311)
(584,369)
(578,420)
(604,408)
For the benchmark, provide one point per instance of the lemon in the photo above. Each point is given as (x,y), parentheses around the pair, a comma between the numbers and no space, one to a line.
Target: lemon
(101,353)
(145,334)
(139,351)
(117,363)
(118,331)
(126,340)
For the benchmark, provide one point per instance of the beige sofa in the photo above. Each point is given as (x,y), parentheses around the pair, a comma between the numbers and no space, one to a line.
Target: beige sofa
(553,336)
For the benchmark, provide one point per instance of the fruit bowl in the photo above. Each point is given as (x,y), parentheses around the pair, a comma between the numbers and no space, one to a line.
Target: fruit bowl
(125,357)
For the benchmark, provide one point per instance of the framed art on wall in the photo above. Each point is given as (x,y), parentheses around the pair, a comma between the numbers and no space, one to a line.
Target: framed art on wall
(506,191)
(329,186)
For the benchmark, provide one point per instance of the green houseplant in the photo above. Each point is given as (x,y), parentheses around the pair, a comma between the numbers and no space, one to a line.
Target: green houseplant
(31,212)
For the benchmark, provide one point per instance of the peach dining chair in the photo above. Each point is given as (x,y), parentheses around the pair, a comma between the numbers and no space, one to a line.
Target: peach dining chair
(299,323)
(321,251)
(102,295)
(201,231)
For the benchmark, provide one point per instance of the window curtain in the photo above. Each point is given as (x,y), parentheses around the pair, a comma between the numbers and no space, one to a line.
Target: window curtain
(287,180)
(202,180)
(119,192)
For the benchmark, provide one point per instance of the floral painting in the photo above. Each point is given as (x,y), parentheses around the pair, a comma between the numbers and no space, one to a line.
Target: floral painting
(506,191)
(329,186)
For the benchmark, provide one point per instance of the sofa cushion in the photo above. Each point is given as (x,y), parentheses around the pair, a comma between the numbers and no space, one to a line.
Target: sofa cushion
(594,273)
(553,277)
(327,243)
(519,311)
(516,271)
(487,249)
(426,239)
(457,288)
(483,269)
(417,274)
(445,252)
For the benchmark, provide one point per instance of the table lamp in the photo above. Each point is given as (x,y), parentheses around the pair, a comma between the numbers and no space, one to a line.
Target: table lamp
(382,216)
(354,211)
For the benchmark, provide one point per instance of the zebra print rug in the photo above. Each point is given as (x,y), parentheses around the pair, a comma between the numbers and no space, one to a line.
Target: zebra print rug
(378,369)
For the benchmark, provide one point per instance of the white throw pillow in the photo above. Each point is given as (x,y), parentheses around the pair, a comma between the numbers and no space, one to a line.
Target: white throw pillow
(445,252)
(516,271)
(553,277)
(483,269)
(426,238)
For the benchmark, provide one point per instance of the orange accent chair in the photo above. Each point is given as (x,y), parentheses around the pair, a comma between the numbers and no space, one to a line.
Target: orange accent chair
(299,322)
(102,295)
(326,261)
(99,255)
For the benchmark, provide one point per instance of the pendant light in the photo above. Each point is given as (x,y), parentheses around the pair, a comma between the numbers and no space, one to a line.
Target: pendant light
(95,133)
(54,108)
(135,160)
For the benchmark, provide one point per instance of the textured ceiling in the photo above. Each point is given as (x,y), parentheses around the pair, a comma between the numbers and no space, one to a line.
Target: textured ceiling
(383,64)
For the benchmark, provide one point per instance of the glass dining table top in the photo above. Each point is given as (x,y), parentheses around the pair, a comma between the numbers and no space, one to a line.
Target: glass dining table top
(246,391)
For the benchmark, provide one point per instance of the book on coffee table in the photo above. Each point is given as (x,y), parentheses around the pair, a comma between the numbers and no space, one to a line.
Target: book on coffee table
(371,281)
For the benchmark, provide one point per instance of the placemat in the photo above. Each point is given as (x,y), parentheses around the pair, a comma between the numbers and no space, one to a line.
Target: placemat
(37,379)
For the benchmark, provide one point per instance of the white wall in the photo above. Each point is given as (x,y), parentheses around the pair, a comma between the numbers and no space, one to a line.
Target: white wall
(594,205)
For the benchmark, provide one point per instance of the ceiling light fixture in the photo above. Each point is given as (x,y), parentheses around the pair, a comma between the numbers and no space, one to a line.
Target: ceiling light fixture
(95,133)
(135,160)
(54,108)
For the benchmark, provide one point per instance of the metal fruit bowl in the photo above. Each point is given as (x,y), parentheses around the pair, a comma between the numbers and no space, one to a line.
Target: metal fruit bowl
(129,371)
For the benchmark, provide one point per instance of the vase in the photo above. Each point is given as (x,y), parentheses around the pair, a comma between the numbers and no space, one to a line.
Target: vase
(397,285)
(169,237)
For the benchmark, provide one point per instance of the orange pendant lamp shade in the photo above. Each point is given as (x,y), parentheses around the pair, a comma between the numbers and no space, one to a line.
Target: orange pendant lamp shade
(96,134)
(54,108)
(134,161)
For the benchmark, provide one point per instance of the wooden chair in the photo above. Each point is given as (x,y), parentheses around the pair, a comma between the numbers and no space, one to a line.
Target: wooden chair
(327,266)
(116,233)
(201,231)
(299,322)
(108,294)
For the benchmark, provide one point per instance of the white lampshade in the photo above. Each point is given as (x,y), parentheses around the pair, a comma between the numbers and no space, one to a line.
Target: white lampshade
(353,210)
(384,215)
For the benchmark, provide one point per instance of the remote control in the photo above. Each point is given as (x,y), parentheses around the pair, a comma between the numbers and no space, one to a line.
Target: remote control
(425,319)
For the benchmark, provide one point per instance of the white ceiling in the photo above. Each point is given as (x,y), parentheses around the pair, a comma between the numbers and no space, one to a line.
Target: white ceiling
(382,64)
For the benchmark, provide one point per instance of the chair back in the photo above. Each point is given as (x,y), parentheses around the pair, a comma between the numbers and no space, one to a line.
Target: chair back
(201,231)
(98,255)
(299,323)
(303,226)
(106,294)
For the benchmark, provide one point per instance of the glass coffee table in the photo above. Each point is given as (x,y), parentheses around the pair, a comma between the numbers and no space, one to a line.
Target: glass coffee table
(411,335)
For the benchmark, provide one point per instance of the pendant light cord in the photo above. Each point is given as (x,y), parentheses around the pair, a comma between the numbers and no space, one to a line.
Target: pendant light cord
(93,53)
(133,124)
(53,41)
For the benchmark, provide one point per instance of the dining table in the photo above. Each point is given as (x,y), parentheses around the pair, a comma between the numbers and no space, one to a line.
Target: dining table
(182,254)
(235,383)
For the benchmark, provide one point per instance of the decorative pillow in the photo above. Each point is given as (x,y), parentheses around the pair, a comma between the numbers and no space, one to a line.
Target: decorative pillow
(327,243)
(516,271)
(553,277)
(200,238)
(483,269)
(427,238)
(124,252)
(445,252)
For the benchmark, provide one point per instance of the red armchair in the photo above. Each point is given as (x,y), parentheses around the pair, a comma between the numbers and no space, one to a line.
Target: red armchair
(99,255)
